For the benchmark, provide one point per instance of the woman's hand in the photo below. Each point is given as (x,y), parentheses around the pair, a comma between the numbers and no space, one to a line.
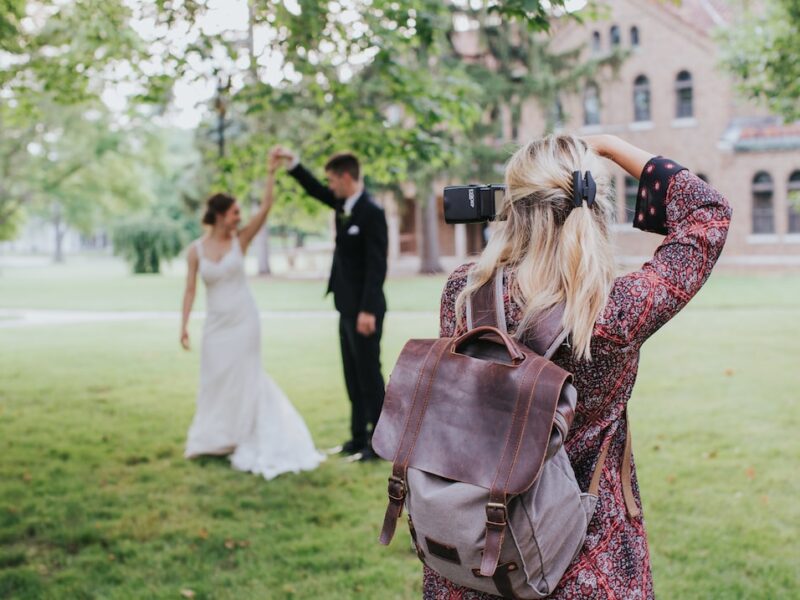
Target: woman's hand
(601,144)
(185,340)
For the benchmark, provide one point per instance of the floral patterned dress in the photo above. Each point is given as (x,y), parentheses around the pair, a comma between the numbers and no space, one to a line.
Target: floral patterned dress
(614,562)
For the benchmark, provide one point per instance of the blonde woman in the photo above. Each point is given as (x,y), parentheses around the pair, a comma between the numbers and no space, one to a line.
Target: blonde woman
(241,411)
(551,251)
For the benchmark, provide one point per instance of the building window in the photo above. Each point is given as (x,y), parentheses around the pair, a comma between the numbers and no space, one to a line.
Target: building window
(793,197)
(641,99)
(683,92)
(595,42)
(763,213)
(591,104)
(631,190)
(634,37)
(614,36)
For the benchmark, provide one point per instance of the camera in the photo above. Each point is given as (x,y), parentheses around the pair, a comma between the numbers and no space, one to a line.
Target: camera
(472,203)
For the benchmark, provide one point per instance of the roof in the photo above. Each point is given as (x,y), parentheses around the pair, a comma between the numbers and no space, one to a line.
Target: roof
(763,136)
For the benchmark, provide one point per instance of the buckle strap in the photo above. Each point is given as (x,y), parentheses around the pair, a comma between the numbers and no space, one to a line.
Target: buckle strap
(496,515)
(496,524)
(394,510)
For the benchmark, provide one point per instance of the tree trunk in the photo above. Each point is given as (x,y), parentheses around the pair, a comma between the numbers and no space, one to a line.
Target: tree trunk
(261,244)
(261,241)
(429,259)
(59,231)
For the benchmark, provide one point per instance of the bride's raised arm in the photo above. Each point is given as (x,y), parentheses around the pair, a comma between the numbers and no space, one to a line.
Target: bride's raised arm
(250,230)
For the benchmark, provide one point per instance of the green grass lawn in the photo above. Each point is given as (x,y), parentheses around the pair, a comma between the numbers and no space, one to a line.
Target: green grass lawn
(96,500)
(106,284)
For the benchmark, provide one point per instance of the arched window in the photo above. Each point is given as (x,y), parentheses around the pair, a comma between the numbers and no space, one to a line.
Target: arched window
(634,37)
(631,190)
(763,213)
(614,36)
(641,99)
(683,93)
(595,42)
(794,202)
(591,104)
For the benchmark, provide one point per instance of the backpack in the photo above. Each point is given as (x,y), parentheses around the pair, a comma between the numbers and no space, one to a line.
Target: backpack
(474,427)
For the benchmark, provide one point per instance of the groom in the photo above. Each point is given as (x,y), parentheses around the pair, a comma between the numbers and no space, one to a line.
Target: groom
(356,280)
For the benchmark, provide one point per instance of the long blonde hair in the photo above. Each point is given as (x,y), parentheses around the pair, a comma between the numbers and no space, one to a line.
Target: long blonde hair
(560,254)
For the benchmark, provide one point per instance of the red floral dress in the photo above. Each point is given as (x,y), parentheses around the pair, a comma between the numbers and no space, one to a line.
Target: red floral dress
(614,562)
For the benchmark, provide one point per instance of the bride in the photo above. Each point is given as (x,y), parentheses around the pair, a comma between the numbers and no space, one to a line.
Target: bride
(240,409)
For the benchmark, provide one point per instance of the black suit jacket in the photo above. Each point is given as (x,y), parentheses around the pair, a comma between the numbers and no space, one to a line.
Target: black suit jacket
(359,260)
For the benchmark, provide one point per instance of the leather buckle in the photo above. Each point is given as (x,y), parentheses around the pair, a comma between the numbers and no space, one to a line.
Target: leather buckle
(397,489)
(496,514)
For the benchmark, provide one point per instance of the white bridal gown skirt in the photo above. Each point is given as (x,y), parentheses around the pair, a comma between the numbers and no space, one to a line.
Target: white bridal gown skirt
(241,411)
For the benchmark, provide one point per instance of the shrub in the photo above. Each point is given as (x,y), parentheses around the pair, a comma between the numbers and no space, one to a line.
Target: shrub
(145,242)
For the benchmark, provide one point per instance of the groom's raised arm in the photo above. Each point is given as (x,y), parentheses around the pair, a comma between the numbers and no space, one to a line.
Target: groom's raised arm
(312,185)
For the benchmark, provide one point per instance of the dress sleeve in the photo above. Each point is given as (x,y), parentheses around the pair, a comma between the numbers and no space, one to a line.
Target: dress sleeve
(695,219)
(448,320)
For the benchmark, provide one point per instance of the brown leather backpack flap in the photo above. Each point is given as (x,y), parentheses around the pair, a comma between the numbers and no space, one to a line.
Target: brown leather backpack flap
(475,410)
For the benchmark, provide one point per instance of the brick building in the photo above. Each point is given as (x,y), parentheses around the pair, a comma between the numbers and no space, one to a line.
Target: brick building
(671,97)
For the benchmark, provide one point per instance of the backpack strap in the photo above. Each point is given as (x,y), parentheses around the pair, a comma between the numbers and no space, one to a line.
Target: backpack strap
(486,306)
(627,483)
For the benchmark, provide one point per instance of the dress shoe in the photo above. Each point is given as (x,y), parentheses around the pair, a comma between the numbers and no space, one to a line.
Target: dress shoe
(352,447)
(367,454)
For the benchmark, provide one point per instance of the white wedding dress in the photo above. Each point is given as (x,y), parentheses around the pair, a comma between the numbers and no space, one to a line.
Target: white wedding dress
(240,409)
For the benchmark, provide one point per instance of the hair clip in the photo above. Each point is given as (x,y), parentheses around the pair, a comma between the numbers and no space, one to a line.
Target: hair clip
(583,188)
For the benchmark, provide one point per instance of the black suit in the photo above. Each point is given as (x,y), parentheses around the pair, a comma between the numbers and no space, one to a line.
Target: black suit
(356,280)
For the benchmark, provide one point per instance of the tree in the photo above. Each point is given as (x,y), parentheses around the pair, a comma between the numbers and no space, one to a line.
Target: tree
(369,76)
(66,56)
(11,12)
(79,170)
(761,50)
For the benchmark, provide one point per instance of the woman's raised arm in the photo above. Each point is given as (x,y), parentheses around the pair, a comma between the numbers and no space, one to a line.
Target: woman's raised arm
(250,230)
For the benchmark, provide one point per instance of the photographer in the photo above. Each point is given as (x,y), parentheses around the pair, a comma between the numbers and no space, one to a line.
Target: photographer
(552,245)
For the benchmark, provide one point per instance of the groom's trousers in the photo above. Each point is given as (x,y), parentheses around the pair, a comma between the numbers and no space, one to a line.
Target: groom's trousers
(361,359)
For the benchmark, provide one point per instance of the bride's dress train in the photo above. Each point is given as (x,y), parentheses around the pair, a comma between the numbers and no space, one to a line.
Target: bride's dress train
(241,411)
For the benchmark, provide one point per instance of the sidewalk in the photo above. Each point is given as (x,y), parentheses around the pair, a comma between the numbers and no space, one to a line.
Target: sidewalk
(13,318)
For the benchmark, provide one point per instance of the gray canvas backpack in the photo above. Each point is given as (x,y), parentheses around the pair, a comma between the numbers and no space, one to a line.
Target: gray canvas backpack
(474,427)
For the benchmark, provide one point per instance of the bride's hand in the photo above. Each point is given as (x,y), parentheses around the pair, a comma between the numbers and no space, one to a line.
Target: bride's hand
(185,340)
(274,162)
